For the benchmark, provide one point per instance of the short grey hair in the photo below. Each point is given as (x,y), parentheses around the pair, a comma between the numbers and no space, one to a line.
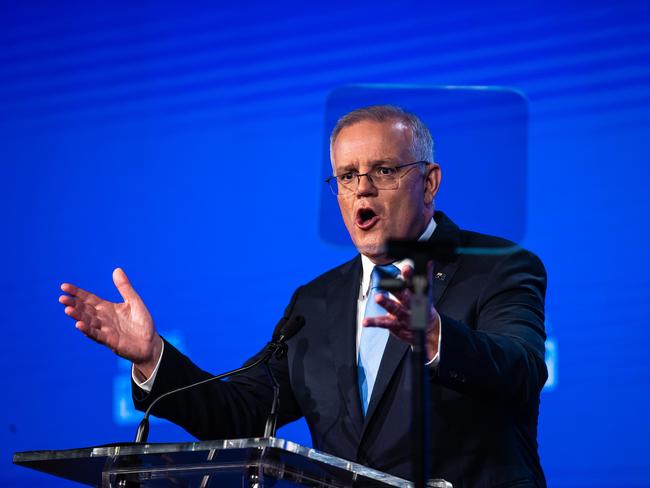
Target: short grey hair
(421,140)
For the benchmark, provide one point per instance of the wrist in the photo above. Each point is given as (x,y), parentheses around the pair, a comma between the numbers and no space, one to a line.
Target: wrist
(147,366)
(432,339)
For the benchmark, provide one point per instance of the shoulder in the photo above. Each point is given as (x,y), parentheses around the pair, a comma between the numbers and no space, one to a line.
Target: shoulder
(313,296)
(494,264)
(342,273)
(493,250)
(482,250)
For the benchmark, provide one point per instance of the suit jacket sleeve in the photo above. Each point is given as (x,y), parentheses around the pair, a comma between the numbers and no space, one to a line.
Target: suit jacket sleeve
(500,354)
(234,408)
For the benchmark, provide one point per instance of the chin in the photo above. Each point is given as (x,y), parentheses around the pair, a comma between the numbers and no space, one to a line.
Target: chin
(370,250)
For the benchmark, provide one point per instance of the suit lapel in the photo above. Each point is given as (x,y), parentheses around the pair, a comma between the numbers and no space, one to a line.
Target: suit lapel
(342,295)
(443,273)
(393,354)
(444,269)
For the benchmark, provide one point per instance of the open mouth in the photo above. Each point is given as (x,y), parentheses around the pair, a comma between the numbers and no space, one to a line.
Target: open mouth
(366,218)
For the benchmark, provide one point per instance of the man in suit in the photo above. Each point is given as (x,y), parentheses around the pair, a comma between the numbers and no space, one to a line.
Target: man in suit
(348,371)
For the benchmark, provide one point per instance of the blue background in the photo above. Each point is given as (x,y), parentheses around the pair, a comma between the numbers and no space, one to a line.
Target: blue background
(185,144)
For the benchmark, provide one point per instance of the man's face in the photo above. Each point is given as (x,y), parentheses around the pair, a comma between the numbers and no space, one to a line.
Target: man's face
(371,215)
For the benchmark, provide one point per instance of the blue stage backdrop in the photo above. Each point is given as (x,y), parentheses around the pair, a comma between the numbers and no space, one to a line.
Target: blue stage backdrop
(187,144)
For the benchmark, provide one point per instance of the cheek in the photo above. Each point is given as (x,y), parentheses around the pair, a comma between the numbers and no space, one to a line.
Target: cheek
(404,210)
(346,210)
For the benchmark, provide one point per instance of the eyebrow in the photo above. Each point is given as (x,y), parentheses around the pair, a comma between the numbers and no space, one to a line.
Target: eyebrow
(373,164)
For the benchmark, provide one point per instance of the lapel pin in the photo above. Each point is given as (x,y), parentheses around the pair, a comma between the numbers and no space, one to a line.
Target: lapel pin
(440,276)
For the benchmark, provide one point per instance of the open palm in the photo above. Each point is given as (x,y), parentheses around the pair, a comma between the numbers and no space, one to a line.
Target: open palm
(126,328)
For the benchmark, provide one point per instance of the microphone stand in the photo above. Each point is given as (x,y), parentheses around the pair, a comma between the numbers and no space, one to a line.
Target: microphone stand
(420,317)
(256,475)
(421,301)
(271,348)
(272,420)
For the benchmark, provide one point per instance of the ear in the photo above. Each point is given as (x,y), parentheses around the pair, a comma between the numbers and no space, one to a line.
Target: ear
(432,180)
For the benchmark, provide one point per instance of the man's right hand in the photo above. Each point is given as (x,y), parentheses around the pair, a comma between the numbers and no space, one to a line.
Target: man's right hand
(126,328)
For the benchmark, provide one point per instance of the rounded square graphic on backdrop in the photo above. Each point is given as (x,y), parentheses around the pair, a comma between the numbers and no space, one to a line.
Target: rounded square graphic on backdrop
(480,141)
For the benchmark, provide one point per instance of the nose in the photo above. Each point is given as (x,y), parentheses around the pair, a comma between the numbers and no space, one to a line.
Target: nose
(365,185)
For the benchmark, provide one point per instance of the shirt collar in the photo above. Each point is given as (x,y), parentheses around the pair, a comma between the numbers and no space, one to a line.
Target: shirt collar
(367,265)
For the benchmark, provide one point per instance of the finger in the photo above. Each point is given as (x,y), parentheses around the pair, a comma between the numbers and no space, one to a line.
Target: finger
(124,285)
(384,321)
(393,307)
(81,325)
(80,293)
(81,311)
(407,272)
(404,296)
(67,300)
(393,325)
(93,333)
(77,314)
(73,312)
(72,302)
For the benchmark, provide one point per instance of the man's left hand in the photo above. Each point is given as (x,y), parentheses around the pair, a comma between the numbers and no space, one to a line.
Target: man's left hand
(398,320)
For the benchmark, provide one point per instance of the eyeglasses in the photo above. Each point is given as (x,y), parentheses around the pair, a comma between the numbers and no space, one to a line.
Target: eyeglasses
(382,177)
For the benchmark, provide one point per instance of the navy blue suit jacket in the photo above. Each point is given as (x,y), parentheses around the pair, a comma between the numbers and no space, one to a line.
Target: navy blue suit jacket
(484,393)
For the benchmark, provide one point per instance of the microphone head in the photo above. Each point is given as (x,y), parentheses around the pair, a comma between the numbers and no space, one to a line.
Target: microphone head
(291,327)
(277,332)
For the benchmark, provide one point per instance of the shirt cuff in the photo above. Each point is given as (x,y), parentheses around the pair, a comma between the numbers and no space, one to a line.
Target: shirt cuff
(147,384)
(436,359)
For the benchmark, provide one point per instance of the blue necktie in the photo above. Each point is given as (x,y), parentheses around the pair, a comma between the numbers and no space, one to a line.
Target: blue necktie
(373,339)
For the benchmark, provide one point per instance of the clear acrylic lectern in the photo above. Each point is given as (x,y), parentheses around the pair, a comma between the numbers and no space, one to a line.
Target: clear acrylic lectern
(241,463)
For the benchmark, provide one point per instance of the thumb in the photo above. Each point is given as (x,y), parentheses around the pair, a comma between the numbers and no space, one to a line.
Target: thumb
(124,286)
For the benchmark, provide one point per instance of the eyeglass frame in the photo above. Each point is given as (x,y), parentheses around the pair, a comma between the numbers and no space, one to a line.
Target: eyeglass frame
(369,176)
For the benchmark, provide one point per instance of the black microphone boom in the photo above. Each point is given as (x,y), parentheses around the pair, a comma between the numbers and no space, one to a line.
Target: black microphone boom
(443,249)
(284,330)
(439,250)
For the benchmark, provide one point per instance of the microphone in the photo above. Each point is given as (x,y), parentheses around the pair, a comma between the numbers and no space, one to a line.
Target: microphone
(284,330)
(439,249)
(444,249)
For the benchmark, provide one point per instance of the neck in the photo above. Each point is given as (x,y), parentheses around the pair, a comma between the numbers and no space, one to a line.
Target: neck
(381,259)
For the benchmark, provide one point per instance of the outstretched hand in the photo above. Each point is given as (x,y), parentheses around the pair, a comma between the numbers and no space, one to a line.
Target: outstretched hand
(126,328)
(398,320)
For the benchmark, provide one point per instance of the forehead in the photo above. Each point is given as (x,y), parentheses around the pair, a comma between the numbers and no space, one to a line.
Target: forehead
(367,142)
